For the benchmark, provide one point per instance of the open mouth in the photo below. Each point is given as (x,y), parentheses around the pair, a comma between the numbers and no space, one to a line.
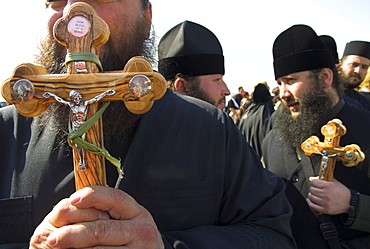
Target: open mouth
(293,105)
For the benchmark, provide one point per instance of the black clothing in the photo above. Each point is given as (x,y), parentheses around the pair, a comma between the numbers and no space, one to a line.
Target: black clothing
(360,97)
(238,98)
(187,164)
(367,94)
(253,122)
(295,167)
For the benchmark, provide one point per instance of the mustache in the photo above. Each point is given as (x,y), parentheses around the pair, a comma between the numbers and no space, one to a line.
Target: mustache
(354,74)
(222,100)
(291,101)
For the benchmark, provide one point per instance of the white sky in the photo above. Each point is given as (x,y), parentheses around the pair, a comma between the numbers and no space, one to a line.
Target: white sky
(245,28)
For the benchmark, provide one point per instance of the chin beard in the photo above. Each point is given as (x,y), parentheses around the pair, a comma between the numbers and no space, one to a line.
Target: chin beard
(115,56)
(346,85)
(117,120)
(314,107)
(193,90)
(350,86)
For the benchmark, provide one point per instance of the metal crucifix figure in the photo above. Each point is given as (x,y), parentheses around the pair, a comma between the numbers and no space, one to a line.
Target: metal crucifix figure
(330,150)
(31,89)
(78,111)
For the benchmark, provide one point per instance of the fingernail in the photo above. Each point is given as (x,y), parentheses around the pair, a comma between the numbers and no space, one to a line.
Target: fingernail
(52,240)
(104,216)
(74,199)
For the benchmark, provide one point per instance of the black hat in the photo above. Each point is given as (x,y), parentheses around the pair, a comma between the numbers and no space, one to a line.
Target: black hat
(360,48)
(332,45)
(261,93)
(300,49)
(190,49)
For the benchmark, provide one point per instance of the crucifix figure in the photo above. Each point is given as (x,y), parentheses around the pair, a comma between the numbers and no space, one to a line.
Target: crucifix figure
(330,150)
(81,31)
(78,111)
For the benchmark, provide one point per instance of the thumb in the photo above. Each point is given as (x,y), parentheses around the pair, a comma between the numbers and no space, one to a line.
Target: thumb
(313,178)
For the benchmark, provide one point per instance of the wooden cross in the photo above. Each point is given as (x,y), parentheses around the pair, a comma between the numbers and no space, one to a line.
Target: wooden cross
(82,32)
(330,150)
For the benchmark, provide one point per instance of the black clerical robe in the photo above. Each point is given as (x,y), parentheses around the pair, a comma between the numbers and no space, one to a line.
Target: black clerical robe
(186,162)
(295,167)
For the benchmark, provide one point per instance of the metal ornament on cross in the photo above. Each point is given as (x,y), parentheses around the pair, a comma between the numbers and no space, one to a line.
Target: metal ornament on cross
(330,150)
(31,89)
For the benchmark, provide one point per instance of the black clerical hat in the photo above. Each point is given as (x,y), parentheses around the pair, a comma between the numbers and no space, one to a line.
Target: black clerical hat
(190,49)
(299,49)
(361,48)
(332,45)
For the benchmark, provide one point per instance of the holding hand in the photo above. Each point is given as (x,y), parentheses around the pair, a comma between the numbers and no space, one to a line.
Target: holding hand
(97,216)
(328,197)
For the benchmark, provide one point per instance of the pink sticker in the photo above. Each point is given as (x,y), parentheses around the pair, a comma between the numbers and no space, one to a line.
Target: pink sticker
(78,26)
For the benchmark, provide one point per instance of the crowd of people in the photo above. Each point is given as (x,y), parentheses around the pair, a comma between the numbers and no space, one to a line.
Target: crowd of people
(200,172)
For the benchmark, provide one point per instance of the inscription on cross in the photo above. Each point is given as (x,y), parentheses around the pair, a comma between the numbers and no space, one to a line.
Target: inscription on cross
(82,32)
(330,150)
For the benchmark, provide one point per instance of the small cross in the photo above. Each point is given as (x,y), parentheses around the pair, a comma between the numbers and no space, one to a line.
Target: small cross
(330,150)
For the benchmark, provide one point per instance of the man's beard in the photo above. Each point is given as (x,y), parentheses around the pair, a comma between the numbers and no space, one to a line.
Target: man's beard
(195,91)
(117,120)
(314,107)
(116,53)
(344,80)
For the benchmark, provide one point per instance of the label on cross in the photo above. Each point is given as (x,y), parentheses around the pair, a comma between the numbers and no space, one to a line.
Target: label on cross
(31,89)
(330,150)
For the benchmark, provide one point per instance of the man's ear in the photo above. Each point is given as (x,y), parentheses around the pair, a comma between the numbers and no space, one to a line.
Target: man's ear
(148,18)
(326,77)
(339,64)
(180,85)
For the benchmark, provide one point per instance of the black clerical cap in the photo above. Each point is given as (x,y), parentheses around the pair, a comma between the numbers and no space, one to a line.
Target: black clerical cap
(300,49)
(360,48)
(190,49)
(332,45)
(261,93)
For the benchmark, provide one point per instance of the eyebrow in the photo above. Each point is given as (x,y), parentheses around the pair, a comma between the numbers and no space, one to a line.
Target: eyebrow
(360,64)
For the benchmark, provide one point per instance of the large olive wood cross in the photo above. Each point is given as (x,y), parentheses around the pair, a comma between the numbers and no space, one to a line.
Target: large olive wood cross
(330,150)
(31,89)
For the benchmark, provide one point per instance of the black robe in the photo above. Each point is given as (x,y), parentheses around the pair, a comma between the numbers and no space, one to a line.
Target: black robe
(187,163)
(360,97)
(283,160)
(254,121)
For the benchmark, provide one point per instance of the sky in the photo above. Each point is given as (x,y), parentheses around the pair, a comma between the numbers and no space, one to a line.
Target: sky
(246,29)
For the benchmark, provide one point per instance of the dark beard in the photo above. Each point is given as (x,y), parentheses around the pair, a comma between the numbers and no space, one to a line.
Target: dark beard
(117,120)
(193,89)
(52,54)
(314,107)
(345,85)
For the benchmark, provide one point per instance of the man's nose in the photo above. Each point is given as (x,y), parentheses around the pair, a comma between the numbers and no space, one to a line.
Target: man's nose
(225,90)
(284,91)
